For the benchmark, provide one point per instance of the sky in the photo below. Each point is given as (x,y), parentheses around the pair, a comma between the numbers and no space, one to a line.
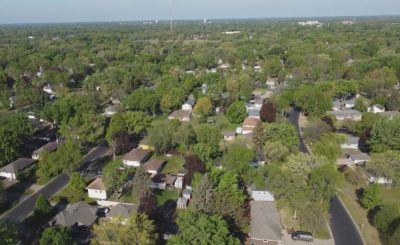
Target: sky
(32,11)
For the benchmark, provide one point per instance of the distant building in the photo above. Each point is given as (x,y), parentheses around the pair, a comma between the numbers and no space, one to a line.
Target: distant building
(253,113)
(136,157)
(122,210)
(11,170)
(309,23)
(182,202)
(187,192)
(336,105)
(159,182)
(97,189)
(348,104)
(372,178)
(229,135)
(179,182)
(376,109)
(351,143)
(352,115)
(189,104)
(153,166)
(110,110)
(249,124)
(358,157)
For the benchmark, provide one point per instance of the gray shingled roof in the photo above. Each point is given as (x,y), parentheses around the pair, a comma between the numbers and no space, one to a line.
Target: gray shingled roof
(265,221)
(352,140)
(137,154)
(122,210)
(51,146)
(254,113)
(190,100)
(79,212)
(17,165)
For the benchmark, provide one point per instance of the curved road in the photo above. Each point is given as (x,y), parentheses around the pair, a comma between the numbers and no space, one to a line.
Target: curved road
(342,226)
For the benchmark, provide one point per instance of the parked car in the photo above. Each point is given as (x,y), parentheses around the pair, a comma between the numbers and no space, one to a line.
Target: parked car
(302,236)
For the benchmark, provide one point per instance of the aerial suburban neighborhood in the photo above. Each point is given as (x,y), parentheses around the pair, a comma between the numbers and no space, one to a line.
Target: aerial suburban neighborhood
(214,131)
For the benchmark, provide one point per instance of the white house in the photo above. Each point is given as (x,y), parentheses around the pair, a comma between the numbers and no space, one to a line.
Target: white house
(188,105)
(376,109)
(181,115)
(358,157)
(352,115)
(379,180)
(97,190)
(258,195)
(136,157)
(179,182)
(48,89)
(110,110)
(351,143)
(187,192)
(11,170)
(336,105)
(348,104)
(182,203)
(49,147)
(153,166)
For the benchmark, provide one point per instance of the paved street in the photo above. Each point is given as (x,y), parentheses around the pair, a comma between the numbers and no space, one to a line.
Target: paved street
(18,213)
(343,229)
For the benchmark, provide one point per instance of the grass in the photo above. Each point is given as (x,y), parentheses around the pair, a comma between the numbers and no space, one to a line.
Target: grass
(390,195)
(359,214)
(162,196)
(287,220)
(71,196)
(174,164)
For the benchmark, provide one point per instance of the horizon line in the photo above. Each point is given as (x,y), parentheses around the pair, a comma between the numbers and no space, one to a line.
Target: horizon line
(200,19)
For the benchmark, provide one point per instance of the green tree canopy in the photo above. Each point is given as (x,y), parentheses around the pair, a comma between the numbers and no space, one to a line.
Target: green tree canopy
(56,235)
(236,112)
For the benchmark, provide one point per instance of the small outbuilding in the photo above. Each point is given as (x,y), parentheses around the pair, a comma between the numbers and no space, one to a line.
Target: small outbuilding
(97,189)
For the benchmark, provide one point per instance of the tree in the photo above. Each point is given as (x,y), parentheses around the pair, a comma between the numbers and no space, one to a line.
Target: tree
(199,228)
(203,195)
(329,146)
(236,112)
(393,102)
(8,234)
(268,112)
(203,107)
(323,181)
(193,165)
(161,136)
(314,130)
(284,133)
(238,159)
(141,185)
(385,135)
(142,99)
(148,205)
(85,127)
(385,165)
(56,235)
(77,182)
(136,229)
(112,177)
(312,100)
(370,197)
(42,207)
(14,130)
(275,151)
(259,137)
(184,137)
(209,136)
(301,165)
(395,237)
(385,217)
(136,122)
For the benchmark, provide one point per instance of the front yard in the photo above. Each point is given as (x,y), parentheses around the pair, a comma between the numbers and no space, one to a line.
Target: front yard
(174,164)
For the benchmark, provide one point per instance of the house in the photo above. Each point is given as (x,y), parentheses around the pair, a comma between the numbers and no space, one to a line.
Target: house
(271,83)
(182,203)
(122,210)
(372,178)
(136,157)
(179,182)
(352,115)
(49,147)
(348,104)
(110,110)
(336,105)
(249,124)
(376,108)
(77,214)
(97,189)
(223,67)
(188,105)
(153,166)
(11,170)
(229,135)
(254,113)
(257,68)
(187,192)
(159,182)
(358,157)
(181,115)
(351,143)
(258,103)
(265,223)
(204,88)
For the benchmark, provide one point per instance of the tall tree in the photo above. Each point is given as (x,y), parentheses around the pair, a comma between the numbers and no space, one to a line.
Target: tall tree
(137,229)
(259,137)
(203,107)
(236,112)
(141,185)
(203,195)
(56,235)
(43,207)
(193,165)
(370,197)
(8,234)
(268,112)
(385,135)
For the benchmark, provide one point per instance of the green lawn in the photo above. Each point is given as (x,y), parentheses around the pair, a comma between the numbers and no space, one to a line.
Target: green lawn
(162,196)
(390,195)
(71,195)
(174,164)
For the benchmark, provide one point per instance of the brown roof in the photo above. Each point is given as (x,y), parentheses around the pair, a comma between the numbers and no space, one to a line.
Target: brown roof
(153,164)
(170,179)
(229,133)
(180,114)
(250,122)
(137,154)
(97,184)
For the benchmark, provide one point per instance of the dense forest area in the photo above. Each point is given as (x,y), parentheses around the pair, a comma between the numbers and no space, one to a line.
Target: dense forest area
(68,77)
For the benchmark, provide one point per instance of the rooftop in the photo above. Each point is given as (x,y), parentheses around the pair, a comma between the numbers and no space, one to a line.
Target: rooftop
(137,154)
(154,164)
(122,209)
(51,146)
(265,221)
(97,184)
(250,122)
(17,165)
(180,114)
(79,212)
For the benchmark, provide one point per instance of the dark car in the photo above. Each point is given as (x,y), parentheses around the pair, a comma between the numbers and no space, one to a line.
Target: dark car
(302,236)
